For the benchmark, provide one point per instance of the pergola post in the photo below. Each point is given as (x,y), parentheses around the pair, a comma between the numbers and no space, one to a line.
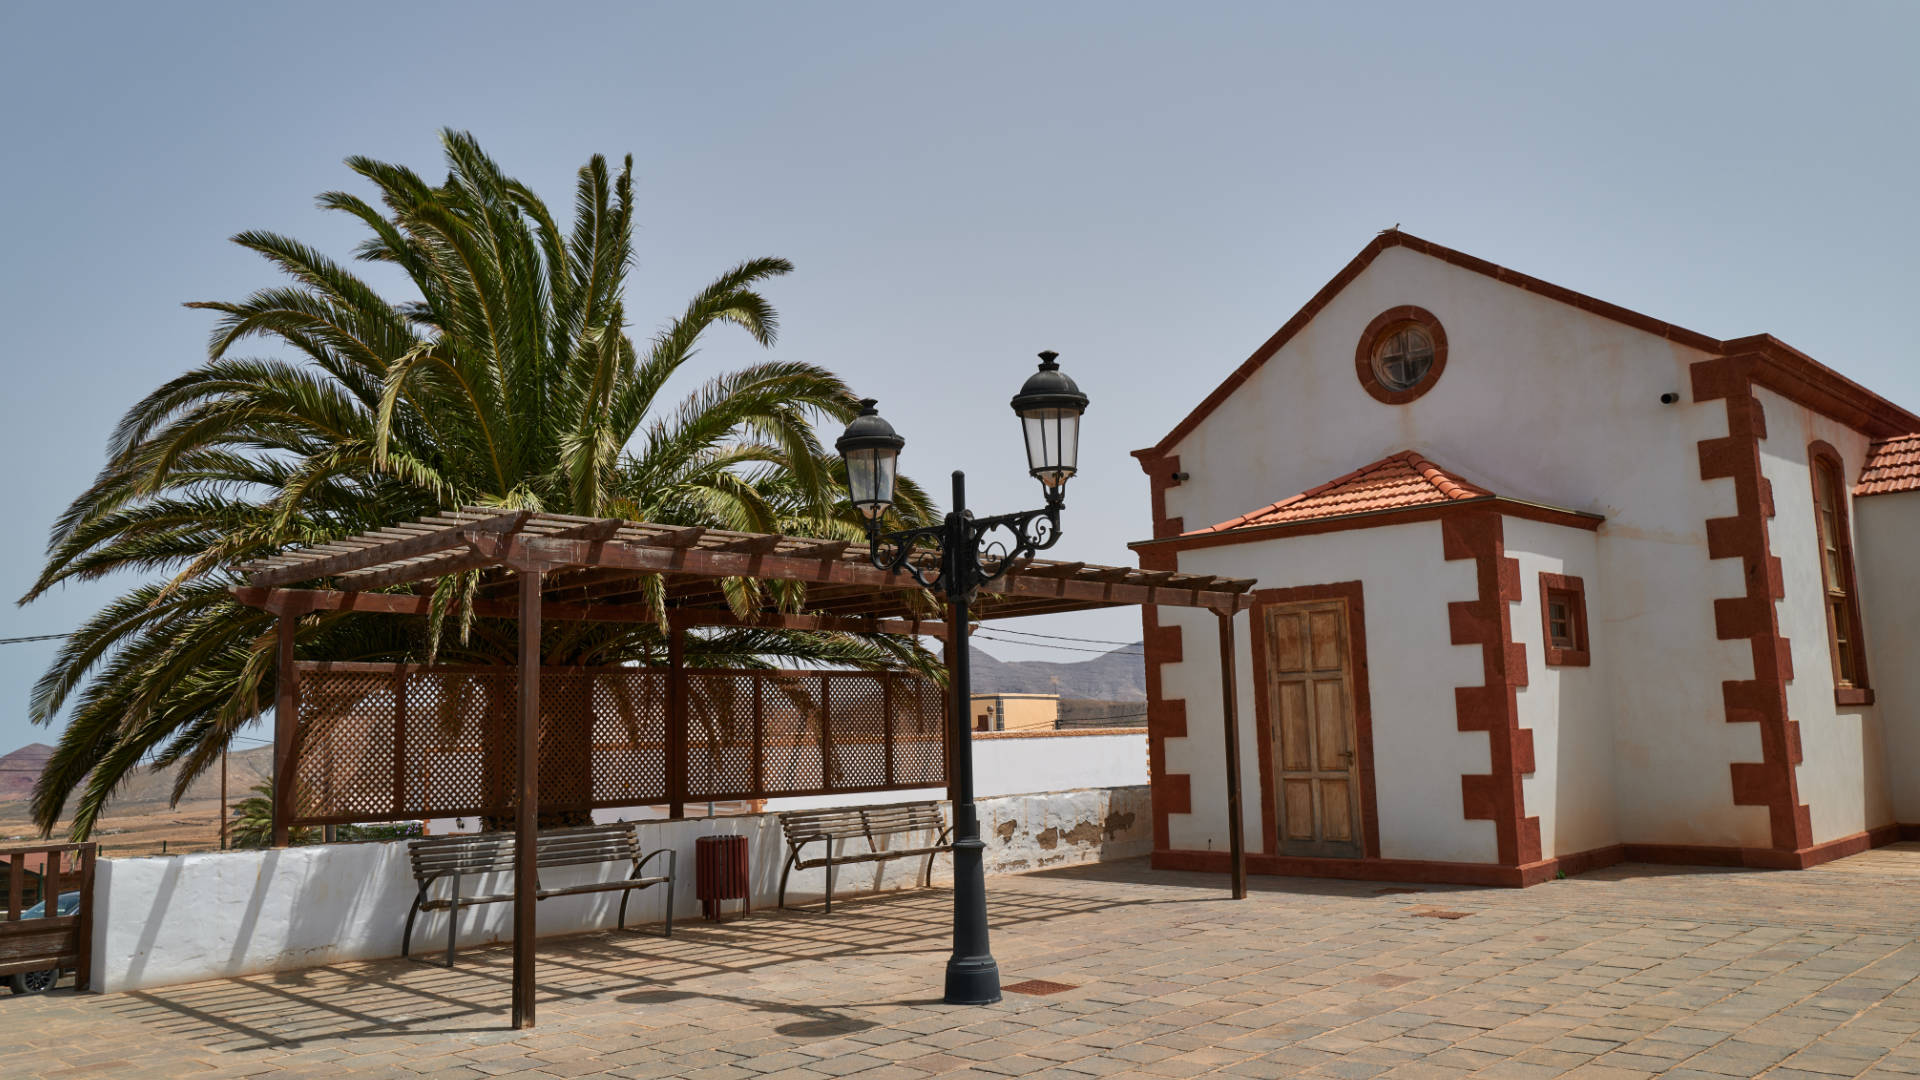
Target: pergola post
(1230,723)
(677,723)
(286,709)
(527,806)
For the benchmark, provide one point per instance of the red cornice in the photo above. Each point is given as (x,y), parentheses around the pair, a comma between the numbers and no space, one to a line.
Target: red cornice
(1786,370)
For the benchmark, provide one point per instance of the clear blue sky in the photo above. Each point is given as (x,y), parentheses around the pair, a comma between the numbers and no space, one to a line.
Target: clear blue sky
(1150,190)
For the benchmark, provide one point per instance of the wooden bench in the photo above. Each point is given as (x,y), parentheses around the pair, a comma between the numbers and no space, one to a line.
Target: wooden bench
(874,823)
(473,854)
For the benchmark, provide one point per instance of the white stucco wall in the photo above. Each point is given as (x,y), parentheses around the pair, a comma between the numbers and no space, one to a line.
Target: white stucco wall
(183,918)
(1568,709)
(1843,772)
(1419,752)
(1540,401)
(1884,535)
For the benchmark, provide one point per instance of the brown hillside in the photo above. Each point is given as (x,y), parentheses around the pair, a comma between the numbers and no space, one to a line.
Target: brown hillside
(20,769)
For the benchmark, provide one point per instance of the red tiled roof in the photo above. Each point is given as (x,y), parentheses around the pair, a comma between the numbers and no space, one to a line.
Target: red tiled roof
(1394,483)
(1892,465)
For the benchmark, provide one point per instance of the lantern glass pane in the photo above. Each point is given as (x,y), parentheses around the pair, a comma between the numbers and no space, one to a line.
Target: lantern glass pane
(884,463)
(870,475)
(1053,438)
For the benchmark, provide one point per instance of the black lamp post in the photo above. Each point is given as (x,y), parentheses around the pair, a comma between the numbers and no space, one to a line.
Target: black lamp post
(1049,405)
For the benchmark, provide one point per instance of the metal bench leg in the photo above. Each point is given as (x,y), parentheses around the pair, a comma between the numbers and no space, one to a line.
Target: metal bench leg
(673,873)
(406,938)
(453,918)
(829,877)
(793,856)
(928,880)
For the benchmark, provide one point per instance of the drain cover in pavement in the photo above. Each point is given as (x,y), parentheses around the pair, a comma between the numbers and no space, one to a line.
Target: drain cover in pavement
(1038,986)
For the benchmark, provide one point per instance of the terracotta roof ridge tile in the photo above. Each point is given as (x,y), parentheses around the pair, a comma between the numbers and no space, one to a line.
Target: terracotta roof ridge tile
(1892,464)
(1405,478)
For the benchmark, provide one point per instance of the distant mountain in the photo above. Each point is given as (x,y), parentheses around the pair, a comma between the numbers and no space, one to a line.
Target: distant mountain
(20,769)
(144,788)
(1120,675)
(149,789)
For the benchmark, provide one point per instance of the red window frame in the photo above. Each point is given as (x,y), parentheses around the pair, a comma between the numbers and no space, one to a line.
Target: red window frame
(1579,653)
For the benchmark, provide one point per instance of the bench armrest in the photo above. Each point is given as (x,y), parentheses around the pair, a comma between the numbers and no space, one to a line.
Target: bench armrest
(673,860)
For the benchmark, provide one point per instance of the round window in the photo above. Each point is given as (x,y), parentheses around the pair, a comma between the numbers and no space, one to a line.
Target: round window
(1403,358)
(1401,354)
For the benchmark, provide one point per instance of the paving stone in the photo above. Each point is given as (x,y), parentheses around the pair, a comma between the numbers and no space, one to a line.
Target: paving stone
(1798,976)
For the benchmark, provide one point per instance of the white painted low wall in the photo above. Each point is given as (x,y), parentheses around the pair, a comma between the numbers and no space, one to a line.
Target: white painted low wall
(1014,763)
(184,918)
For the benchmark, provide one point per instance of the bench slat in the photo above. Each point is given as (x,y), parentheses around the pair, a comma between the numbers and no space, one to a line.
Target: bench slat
(597,886)
(485,853)
(873,856)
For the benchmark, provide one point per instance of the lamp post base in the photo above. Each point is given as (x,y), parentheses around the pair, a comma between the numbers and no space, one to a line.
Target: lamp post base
(974,980)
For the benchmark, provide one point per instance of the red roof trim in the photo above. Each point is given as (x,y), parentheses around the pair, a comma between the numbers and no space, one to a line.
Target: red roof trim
(1794,374)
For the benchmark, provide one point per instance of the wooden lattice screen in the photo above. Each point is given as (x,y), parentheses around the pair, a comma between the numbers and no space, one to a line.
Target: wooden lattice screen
(386,742)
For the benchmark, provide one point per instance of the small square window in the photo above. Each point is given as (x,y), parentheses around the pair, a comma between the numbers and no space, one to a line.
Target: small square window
(1563,615)
(1560,620)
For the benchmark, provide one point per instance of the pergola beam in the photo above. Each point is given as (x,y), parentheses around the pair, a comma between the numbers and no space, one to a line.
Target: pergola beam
(412,546)
(433,567)
(301,601)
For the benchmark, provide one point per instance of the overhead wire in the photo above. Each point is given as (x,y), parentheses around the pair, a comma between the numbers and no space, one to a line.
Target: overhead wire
(1040,645)
(1058,637)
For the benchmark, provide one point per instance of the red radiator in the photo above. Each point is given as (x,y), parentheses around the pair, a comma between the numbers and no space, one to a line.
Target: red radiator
(720,873)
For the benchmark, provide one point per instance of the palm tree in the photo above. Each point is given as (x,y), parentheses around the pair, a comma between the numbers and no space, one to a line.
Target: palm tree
(252,821)
(504,378)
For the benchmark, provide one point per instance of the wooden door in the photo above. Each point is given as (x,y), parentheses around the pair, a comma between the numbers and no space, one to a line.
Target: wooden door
(1310,711)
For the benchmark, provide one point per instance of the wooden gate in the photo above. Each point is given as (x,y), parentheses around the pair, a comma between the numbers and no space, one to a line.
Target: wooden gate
(36,936)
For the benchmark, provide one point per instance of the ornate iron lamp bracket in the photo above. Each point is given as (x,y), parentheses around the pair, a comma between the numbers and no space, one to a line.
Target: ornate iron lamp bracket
(971,551)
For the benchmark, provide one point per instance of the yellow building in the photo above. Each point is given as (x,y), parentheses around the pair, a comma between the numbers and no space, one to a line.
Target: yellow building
(1015,712)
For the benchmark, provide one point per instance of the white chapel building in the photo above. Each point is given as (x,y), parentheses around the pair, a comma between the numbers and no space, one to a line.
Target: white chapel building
(1544,584)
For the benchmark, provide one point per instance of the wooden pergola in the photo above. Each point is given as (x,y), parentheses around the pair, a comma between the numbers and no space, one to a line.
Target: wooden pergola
(553,567)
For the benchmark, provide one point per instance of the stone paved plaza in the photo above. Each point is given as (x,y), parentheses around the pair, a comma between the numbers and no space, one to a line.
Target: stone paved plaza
(1628,972)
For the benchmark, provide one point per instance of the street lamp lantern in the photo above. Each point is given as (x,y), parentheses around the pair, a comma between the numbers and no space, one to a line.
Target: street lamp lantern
(872,451)
(972,551)
(1050,405)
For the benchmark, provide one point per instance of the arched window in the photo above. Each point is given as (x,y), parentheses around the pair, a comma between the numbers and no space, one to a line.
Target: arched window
(1842,598)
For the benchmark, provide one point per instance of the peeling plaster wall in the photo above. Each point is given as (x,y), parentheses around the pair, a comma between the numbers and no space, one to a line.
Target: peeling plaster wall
(185,918)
